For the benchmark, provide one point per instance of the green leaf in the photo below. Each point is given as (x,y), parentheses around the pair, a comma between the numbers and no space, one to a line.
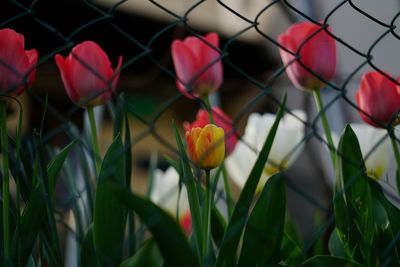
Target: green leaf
(291,230)
(88,254)
(128,172)
(147,255)
(264,229)
(109,214)
(218,225)
(291,253)
(230,242)
(188,179)
(34,213)
(56,164)
(387,224)
(336,247)
(165,230)
(352,200)
(329,261)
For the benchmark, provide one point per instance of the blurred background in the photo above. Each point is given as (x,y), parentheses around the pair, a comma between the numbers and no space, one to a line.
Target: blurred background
(142,31)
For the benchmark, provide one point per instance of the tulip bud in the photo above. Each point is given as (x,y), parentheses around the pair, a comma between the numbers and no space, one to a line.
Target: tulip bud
(378,97)
(206,146)
(197,65)
(17,65)
(318,53)
(87,74)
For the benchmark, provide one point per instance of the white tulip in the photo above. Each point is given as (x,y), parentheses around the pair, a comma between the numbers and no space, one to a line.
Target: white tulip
(285,149)
(375,147)
(165,192)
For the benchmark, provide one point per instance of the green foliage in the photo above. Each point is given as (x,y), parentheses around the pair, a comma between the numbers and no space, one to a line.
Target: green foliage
(353,200)
(166,232)
(230,242)
(264,229)
(34,213)
(147,255)
(109,213)
(87,253)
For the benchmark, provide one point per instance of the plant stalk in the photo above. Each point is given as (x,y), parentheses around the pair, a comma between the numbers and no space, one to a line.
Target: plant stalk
(95,142)
(6,181)
(325,125)
(207,217)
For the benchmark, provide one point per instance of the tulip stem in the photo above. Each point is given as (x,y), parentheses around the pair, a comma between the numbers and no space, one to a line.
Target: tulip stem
(6,181)
(325,125)
(224,174)
(397,156)
(207,216)
(227,190)
(95,142)
(209,109)
(395,150)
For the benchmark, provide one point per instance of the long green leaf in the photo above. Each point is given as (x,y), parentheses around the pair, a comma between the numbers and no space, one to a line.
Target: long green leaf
(147,255)
(230,242)
(188,179)
(88,254)
(264,229)
(387,223)
(56,164)
(335,245)
(291,253)
(218,225)
(166,232)
(35,210)
(352,200)
(329,261)
(109,214)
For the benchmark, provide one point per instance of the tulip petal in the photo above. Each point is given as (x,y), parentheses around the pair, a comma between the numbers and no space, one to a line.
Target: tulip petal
(317,52)
(185,66)
(63,67)
(89,70)
(285,149)
(212,76)
(15,66)
(373,148)
(87,74)
(378,97)
(210,147)
(197,65)
(320,44)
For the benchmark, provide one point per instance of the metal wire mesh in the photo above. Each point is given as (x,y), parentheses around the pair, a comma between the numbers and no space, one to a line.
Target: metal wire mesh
(150,51)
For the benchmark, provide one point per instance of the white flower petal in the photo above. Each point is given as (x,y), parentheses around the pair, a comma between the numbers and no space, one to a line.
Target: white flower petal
(165,191)
(374,147)
(285,149)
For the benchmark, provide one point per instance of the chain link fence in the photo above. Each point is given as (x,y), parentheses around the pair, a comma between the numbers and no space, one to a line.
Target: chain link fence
(254,81)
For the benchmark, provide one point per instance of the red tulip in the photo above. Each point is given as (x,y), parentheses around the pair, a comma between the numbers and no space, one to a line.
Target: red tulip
(378,97)
(221,120)
(17,65)
(186,223)
(197,65)
(87,74)
(318,54)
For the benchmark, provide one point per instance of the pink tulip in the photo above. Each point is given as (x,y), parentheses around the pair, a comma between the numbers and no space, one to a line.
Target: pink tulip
(197,65)
(378,97)
(318,54)
(221,120)
(17,65)
(87,74)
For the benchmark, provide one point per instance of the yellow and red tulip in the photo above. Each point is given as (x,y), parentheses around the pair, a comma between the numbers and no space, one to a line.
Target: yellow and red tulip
(206,146)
